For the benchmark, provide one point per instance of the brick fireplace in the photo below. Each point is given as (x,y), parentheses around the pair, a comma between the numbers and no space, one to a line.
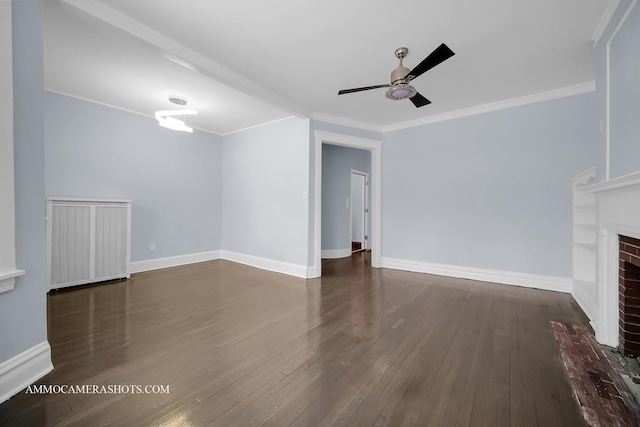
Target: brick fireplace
(607,257)
(629,296)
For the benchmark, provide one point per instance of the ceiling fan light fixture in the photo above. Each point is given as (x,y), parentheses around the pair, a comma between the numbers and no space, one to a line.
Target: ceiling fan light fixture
(400,91)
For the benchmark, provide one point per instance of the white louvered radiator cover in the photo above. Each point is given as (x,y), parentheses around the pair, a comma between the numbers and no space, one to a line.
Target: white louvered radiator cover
(87,241)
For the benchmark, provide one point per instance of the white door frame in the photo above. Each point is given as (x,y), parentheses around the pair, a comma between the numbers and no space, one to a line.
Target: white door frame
(365,201)
(375,239)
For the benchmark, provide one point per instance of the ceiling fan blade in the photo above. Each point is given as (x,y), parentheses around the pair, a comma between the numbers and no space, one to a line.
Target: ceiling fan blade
(419,100)
(439,55)
(360,89)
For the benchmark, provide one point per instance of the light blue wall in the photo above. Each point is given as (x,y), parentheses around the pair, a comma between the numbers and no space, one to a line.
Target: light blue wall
(488,191)
(625,95)
(337,163)
(265,173)
(23,322)
(174,179)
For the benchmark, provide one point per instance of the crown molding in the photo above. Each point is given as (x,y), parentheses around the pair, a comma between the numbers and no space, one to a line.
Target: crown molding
(258,125)
(186,57)
(116,107)
(346,122)
(494,106)
(604,20)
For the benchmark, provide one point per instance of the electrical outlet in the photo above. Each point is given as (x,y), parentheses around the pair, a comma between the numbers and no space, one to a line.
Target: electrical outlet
(152,247)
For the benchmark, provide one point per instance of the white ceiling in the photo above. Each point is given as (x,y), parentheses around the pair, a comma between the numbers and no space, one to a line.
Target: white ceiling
(245,63)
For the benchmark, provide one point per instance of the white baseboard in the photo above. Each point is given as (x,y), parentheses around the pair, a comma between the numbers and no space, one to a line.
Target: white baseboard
(550,283)
(174,261)
(266,264)
(254,261)
(335,253)
(587,306)
(24,369)
(312,272)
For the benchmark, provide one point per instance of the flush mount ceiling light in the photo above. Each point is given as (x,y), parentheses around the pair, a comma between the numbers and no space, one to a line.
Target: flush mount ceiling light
(178,100)
(166,118)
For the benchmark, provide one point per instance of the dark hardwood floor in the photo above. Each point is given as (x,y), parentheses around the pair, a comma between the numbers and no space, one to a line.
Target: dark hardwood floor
(359,347)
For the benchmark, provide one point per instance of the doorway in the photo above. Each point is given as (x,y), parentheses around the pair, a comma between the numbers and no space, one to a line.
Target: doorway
(374,241)
(359,210)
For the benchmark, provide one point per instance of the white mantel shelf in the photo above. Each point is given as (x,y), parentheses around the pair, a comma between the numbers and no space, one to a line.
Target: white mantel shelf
(8,280)
(625,182)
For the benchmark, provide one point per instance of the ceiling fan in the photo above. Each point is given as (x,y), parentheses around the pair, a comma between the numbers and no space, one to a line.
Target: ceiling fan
(399,88)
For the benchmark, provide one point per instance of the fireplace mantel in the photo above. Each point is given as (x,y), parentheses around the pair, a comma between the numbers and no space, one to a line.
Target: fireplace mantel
(624,183)
(618,204)
(615,210)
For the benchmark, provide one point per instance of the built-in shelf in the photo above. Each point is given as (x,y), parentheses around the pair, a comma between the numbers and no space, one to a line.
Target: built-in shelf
(584,236)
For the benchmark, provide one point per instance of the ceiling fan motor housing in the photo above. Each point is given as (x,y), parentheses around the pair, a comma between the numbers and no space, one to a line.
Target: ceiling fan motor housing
(400,88)
(398,75)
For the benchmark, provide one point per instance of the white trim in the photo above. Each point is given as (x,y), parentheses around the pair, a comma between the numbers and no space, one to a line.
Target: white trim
(375,206)
(8,280)
(607,276)
(104,104)
(550,283)
(589,173)
(8,271)
(311,272)
(251,260)
(626,182)
(588,306)
(608,89)
(186,56)
(75,200)
(607,115)
(365,222)
(577,89)
(174,261)
(266,264)
(257,126)
(341,121)
(24,369)
(335,253)
(494,106)
(604,20)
